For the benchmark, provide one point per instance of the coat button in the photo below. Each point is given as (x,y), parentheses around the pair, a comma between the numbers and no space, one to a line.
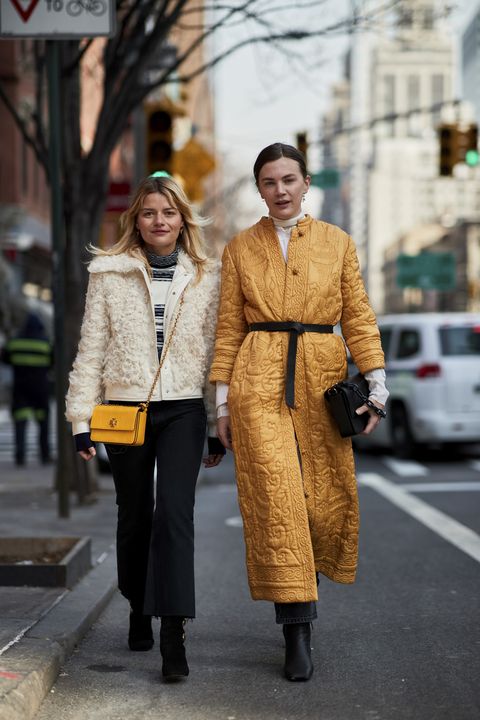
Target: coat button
(301,233)
(294,271)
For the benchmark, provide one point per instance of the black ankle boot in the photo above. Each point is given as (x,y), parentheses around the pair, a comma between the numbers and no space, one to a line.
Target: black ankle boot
(172,648)
(298,658)
(140,636)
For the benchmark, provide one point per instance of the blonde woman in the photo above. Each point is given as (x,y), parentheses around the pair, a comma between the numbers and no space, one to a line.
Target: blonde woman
(153,292)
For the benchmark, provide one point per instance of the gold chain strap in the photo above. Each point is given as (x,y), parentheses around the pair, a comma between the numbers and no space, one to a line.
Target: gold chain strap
(164,353)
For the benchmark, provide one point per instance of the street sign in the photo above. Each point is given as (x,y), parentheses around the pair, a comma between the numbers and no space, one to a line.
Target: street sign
(57,19)
(427,271)
(328,178)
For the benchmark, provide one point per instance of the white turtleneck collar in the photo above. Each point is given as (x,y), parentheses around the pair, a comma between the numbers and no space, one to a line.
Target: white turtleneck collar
(283,229)
(289,223)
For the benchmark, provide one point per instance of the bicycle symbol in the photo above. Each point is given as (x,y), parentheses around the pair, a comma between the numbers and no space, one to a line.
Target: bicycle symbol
(96,7)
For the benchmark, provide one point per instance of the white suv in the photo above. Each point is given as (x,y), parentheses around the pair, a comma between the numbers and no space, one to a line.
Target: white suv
(433,375)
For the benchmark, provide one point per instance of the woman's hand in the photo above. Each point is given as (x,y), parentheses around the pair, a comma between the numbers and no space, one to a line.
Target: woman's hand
(212,460)
(224,432)
(87,454)
(373,420)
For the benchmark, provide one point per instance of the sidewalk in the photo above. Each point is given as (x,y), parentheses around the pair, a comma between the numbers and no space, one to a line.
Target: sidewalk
(39,627)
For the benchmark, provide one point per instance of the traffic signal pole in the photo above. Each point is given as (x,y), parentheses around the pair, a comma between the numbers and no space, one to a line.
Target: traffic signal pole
(58,276)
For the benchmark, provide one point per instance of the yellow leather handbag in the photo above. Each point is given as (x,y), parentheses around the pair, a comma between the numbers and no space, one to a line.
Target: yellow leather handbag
(119,424)
(125,424)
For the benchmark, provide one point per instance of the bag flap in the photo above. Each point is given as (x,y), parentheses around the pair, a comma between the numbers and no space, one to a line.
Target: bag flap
(114,417)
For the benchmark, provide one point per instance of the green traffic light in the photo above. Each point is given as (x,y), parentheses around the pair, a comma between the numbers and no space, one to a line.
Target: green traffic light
(472,157)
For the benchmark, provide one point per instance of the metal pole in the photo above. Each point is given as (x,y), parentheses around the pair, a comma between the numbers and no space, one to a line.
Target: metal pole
(58,278)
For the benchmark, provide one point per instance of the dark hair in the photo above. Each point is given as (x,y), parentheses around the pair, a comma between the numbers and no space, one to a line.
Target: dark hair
(275,152)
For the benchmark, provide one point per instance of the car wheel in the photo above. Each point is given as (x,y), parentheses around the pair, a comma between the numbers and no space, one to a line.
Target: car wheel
(403,443)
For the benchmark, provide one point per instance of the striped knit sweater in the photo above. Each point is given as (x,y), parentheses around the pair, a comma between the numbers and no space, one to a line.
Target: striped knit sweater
(163,268)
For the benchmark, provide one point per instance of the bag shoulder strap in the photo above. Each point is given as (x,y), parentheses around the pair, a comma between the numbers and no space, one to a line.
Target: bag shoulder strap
(164,353)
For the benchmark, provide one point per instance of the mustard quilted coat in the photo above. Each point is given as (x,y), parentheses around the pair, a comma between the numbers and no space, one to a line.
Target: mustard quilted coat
(299,509)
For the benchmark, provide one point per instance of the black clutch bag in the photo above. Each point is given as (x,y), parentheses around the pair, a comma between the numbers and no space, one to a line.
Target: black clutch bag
(344,398)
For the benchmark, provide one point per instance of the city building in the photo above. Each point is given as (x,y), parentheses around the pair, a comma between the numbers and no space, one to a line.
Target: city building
(400,86)
(470,54)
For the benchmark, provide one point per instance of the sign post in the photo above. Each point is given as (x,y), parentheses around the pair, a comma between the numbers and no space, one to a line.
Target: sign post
(427,271)
(57,20)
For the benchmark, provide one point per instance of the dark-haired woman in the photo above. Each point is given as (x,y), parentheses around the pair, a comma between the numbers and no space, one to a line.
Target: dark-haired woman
(286,282)
(153,297)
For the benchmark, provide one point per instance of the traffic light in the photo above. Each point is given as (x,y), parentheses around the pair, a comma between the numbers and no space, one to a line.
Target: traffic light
(457,145)
(302,144)
(447,135)
(158,137)
(467,142)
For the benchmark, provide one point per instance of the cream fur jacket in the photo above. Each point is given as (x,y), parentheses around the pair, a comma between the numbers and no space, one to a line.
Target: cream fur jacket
(117,354)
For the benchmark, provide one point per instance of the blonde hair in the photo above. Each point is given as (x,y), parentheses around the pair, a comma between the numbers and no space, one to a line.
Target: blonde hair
(191,239)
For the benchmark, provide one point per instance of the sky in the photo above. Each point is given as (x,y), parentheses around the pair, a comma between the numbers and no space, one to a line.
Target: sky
(263,97)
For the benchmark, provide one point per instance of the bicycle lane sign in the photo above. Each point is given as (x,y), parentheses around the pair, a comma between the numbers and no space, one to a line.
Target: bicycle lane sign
(57,19)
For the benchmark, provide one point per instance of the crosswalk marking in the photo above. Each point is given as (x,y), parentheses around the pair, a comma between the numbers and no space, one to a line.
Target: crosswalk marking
(466,486)
(404,468)
(443,525)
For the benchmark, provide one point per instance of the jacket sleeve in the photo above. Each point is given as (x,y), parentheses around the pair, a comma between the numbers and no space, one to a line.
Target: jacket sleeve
(208,330)
(85,386)
(232,325)
(358,322)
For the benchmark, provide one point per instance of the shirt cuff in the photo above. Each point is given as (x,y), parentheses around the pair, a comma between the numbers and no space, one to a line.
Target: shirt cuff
(222,394)
(376,385)
(223,411)
(80,426)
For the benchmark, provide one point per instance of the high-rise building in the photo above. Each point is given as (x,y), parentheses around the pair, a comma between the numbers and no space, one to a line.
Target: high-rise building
(470,52)
(401,87)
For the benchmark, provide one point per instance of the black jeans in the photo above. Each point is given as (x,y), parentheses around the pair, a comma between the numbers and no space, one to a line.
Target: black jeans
(296,612)
(155,538)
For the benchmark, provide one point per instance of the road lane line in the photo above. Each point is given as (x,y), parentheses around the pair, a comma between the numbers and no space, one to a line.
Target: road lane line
(466,486)
(443,525)
(404,468)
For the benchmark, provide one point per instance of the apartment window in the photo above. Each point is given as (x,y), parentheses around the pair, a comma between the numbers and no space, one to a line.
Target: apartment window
(428,18)
(24,166)
(438,88)
(389,93)
(413,92)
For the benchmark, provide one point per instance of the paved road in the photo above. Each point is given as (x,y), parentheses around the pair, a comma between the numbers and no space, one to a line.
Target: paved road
(402,643)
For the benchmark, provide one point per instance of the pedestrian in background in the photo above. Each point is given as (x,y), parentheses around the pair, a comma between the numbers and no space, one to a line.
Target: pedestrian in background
(153,292)
(290,279)
(30,356)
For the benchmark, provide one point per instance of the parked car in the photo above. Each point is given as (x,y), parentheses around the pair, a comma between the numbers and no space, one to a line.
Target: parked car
(433,375)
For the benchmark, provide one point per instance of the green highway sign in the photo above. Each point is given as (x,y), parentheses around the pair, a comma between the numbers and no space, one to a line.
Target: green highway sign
(328,178)
(427,271)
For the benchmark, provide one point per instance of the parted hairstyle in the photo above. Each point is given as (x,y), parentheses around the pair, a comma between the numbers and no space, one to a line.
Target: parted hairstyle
(191,239)
(275,152)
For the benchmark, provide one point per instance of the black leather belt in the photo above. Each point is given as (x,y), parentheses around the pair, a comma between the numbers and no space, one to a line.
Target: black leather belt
(295,329)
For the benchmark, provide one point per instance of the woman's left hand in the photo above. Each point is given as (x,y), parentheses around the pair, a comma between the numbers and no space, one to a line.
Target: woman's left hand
(212,460)
(373,420)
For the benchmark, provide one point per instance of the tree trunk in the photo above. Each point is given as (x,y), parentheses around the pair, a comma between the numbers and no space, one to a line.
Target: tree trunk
(83,217)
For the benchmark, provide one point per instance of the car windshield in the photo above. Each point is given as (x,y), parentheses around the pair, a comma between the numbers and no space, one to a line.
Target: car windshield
(460,340)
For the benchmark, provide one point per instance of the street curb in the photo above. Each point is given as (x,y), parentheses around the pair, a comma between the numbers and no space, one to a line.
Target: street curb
(46,646)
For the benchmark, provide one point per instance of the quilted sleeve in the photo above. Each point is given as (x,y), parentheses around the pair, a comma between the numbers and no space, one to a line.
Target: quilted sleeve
(85,386)
(208,330)
(359,325)
(232,325)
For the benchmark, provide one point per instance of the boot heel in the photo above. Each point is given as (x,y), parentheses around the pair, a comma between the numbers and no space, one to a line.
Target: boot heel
(172,648)
(298,653)
(140,636)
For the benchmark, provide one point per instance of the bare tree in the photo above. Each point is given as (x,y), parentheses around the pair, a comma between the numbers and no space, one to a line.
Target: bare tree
(144,27)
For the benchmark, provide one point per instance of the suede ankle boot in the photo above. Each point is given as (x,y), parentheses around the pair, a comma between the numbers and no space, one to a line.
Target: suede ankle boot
(172,648)
(140,636)
(298,656)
